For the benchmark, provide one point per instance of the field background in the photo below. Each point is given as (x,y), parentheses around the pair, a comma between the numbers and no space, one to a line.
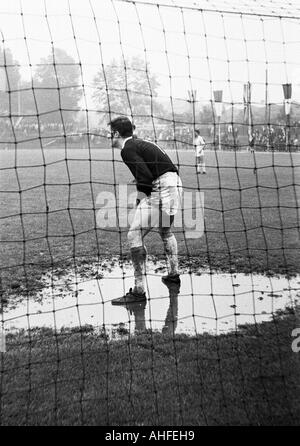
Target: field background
(48,211)
(77,377)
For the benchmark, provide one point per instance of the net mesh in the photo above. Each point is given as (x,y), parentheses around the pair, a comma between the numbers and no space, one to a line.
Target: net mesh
(222,349)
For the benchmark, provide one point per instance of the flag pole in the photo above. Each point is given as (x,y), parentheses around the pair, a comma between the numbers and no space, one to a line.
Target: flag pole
(287,92)
(249,115)
(218,94)
(267,111)
(192,100)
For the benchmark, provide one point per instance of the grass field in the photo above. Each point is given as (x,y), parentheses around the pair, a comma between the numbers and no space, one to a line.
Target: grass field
(48,209)
(245,378)
(48,206)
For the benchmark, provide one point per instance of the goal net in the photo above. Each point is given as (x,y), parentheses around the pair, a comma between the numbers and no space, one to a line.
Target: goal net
(222,348)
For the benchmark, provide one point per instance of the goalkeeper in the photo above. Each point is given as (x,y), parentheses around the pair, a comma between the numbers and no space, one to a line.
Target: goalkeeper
(159,194)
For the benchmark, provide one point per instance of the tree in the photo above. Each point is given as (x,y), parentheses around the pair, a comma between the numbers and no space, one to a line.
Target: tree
(130,90)
(56,89)
(206,115)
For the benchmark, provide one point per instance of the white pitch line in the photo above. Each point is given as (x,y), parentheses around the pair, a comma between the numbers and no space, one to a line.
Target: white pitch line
(50,142)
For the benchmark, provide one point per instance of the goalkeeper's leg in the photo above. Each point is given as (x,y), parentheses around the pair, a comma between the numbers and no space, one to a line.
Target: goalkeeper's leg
(171,252)
(140,226)
(202,164)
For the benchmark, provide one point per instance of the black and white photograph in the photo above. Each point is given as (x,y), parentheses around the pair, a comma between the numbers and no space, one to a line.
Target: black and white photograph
(149,215)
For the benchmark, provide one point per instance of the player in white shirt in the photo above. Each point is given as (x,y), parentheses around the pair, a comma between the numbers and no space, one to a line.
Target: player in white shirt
(199,145)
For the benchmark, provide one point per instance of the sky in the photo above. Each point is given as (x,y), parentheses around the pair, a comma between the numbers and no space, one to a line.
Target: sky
(186,47)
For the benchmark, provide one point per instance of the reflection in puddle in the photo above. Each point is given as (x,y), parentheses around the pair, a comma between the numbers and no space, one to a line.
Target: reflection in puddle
(213,303)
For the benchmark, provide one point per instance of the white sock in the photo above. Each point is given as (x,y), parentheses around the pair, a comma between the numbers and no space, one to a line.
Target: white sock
(138,256)
(170,245)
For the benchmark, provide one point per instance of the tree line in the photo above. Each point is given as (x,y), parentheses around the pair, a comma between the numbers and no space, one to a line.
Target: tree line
(55,93)
(56,89)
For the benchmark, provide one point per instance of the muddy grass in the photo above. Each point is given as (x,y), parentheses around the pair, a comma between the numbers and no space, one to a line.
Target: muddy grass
(251,221)
(145,371)
(80,375)
(208,302)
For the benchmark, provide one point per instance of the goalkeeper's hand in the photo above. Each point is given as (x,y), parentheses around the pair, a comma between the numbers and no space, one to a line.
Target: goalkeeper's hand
(140,196)
(134,206)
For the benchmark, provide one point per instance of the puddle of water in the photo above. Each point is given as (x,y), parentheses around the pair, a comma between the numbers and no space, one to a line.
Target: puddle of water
(215,303)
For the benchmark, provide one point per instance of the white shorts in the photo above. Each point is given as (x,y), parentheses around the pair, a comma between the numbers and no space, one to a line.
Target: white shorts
(199,151)
(160,207)
(166,193)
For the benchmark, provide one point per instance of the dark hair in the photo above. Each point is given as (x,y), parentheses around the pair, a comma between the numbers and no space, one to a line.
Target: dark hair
(197,131)
(122,125)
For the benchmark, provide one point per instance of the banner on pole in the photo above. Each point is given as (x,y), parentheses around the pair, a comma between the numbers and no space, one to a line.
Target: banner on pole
(192,95)
(287,91)
(218,94)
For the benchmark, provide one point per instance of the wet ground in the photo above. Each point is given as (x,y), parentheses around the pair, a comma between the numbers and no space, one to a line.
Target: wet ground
(215,303)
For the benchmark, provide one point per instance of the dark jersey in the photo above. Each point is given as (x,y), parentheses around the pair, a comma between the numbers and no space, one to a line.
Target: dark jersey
(146,161)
